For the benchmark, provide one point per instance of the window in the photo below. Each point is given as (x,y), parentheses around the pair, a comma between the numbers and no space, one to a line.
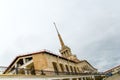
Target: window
(62,67)
(55,67)
(78,69)
(71,68)
(75,70)
(67,68)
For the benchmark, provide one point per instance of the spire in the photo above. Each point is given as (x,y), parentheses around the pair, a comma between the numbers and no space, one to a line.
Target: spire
(59,36)
(65,50)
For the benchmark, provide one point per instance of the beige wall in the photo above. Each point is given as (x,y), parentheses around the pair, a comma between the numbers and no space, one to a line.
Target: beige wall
(40,61)
(59,61)
(44,62)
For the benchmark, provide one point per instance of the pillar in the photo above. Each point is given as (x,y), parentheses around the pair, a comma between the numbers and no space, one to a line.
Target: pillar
(16,68)
(81,78)
(70,79)
(24,61)
(25,69)
(93,77)
(85,78)
(77,78)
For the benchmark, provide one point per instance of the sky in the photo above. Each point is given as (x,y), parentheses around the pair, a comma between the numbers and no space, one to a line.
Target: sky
(91,28)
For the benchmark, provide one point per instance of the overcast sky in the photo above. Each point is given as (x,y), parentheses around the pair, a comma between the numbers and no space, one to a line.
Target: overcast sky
(91,28)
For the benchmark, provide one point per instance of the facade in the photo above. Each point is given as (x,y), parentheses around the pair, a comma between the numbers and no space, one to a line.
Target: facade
(47,63)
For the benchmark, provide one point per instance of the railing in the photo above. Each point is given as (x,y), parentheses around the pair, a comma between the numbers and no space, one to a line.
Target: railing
(44,72)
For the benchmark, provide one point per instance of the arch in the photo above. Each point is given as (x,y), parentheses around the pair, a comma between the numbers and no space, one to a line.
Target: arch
(55,67)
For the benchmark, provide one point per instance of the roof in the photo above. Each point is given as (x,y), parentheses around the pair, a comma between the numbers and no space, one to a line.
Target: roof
(40,52)
(110,70)
(87,62)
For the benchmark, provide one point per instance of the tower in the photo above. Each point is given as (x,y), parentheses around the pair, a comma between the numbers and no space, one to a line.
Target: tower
(65,50)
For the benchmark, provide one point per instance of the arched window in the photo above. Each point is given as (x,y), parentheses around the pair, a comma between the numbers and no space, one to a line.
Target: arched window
(62,67)
(55,67)
(71,68)
(67,68)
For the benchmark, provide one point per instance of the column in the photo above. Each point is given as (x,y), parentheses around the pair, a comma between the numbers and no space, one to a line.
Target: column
(93,77)
(85,78)
(16,68)
(81,78)
(70,79)
(25,69)
(77,78)
(24,60)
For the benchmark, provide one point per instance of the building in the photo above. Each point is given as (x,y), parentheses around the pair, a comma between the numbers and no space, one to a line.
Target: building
(47,63)
(113,73)
(114,70)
